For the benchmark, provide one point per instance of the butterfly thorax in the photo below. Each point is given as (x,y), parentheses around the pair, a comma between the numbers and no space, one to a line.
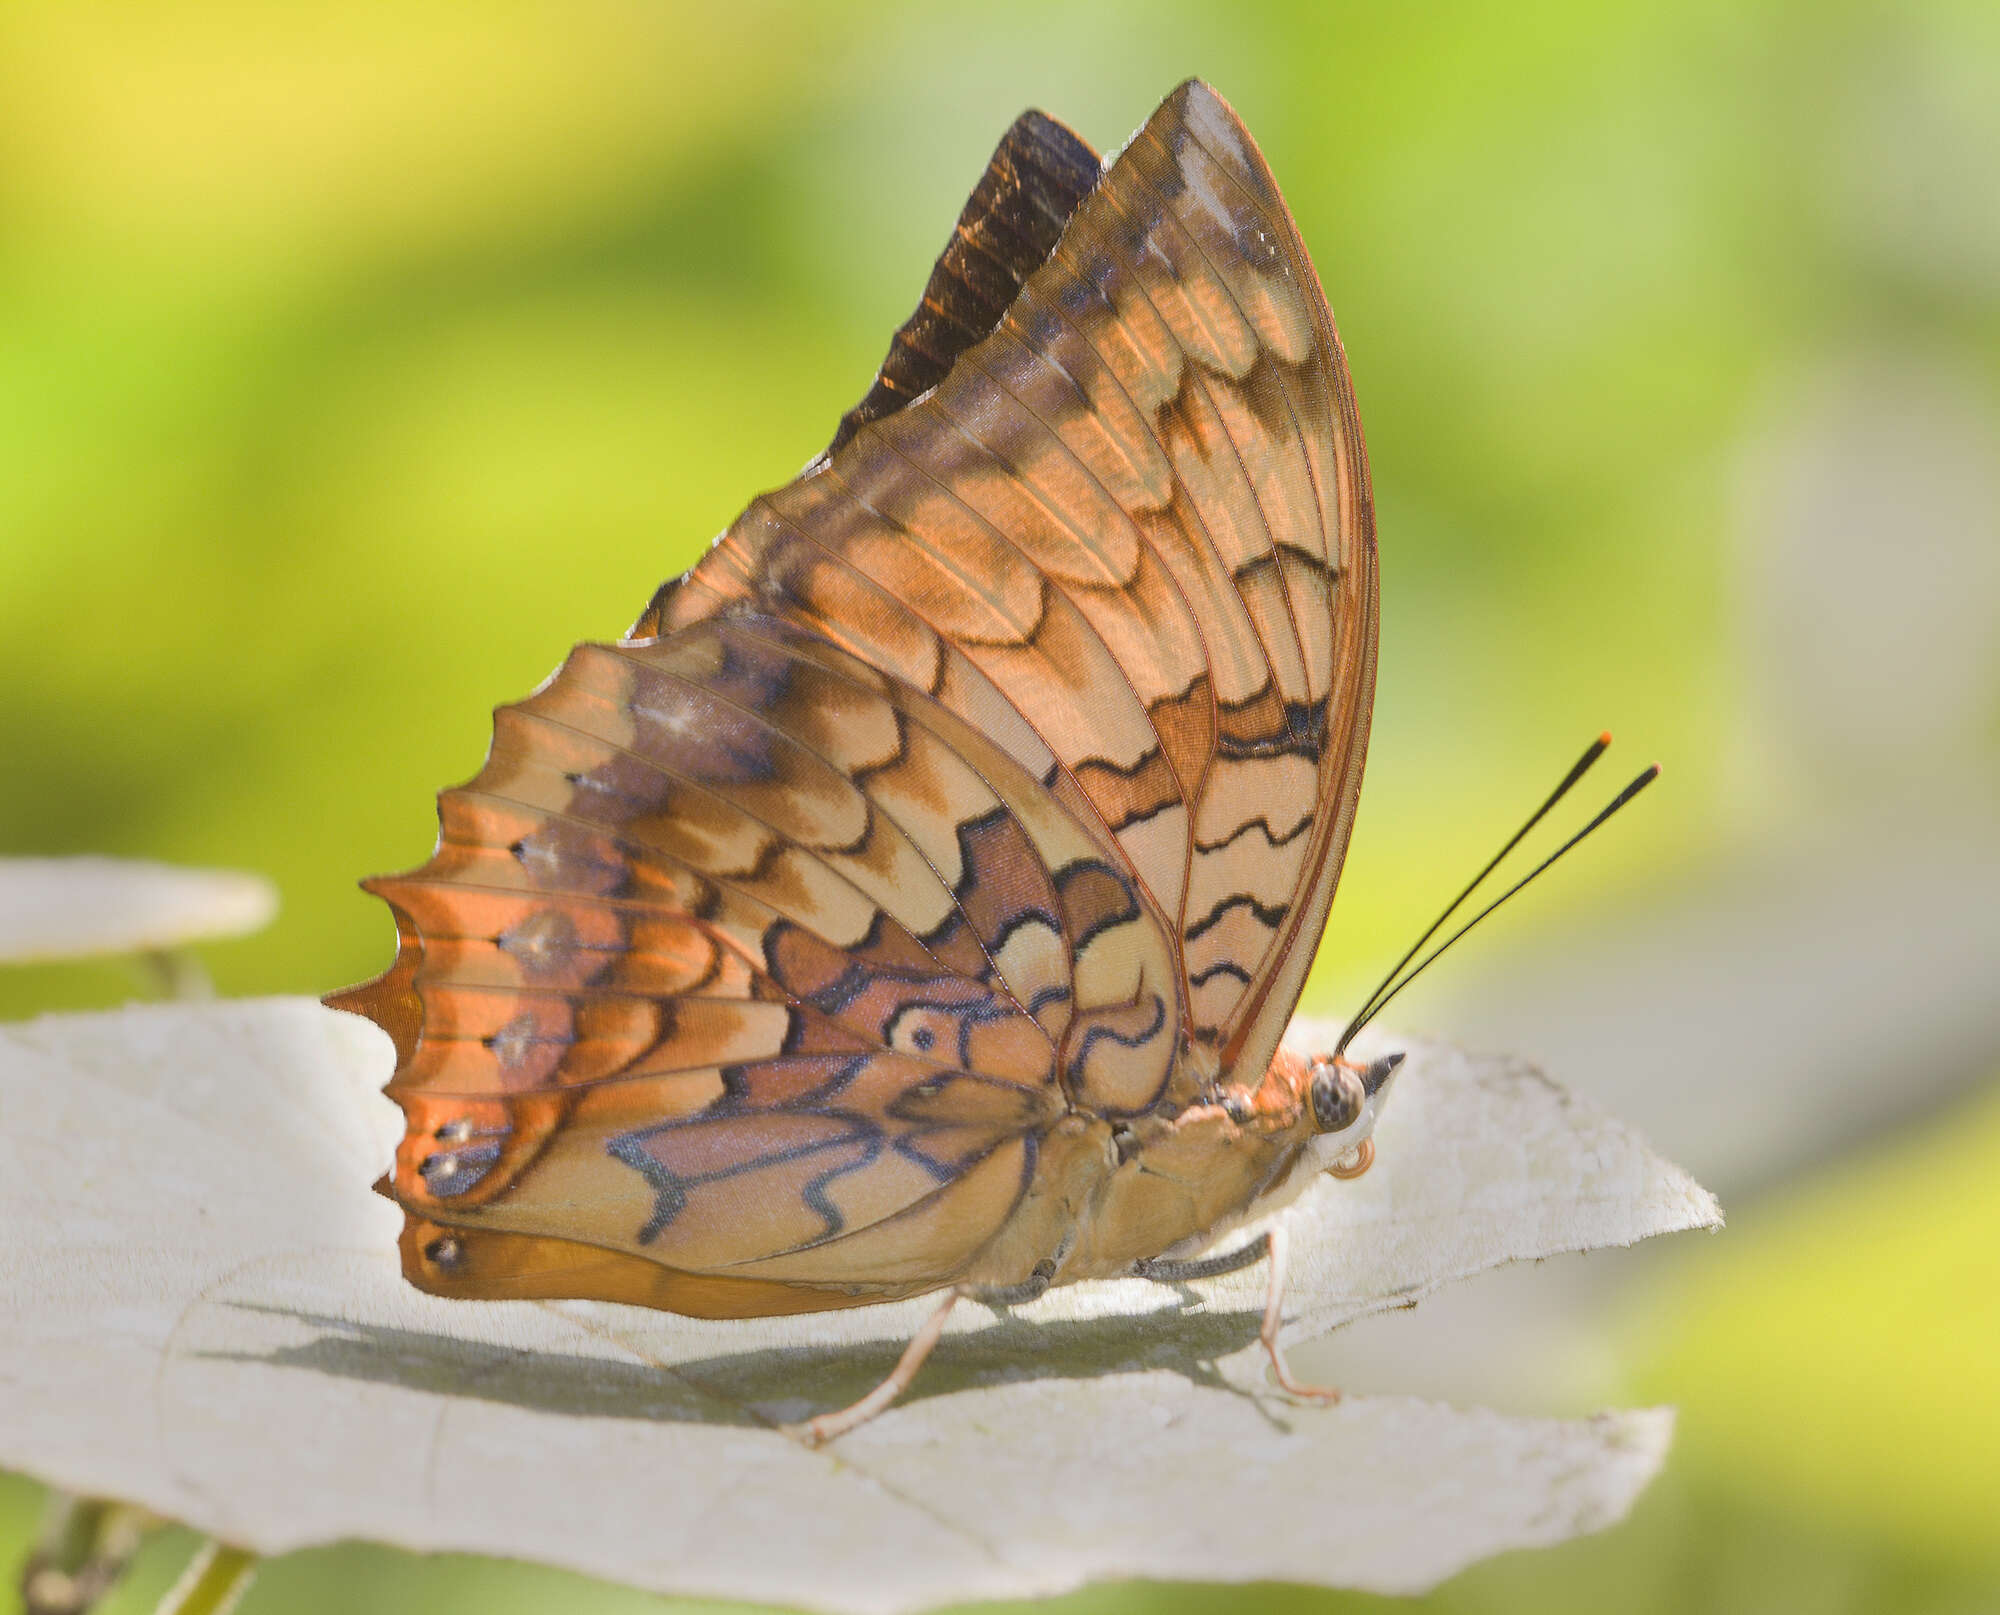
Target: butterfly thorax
(1174,1183)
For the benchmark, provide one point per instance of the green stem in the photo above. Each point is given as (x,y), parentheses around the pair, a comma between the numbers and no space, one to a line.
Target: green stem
(213,1582)
(82,1551)
(178,973)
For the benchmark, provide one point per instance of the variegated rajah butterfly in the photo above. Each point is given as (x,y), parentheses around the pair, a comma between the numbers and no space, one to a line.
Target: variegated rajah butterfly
(914,899)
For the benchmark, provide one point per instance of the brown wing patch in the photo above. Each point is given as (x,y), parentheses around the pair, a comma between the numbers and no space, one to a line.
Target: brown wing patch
(1037,175)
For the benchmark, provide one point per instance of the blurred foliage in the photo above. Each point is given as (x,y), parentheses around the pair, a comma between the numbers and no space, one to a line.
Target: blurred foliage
(355,361)
(1856,1323)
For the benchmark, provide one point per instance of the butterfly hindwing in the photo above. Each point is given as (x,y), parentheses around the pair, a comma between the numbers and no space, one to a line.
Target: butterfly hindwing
(745,959)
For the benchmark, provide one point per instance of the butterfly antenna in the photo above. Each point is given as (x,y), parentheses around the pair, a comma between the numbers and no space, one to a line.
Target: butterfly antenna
(1379,999)
(1591,753)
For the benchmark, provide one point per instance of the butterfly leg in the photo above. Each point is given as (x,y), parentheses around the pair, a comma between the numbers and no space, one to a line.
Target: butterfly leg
(1274,1316)
(818,1431)
(1203,1267)
(1031,1288)
(1271,1246)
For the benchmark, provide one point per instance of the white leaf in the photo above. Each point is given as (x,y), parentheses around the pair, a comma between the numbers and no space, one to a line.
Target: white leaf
(205,1315)
(78,908)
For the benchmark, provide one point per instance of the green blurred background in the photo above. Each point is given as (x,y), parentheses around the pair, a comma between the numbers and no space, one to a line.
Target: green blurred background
(356,361)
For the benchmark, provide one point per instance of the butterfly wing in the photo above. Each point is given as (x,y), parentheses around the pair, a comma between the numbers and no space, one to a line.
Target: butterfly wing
(972,778)
(1129,536)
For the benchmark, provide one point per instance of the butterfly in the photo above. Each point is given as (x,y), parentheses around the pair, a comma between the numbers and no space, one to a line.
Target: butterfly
(914,899)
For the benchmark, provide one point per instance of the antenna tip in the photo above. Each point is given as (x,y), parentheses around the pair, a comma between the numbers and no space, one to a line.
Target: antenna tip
(1654,772)
(1605,738)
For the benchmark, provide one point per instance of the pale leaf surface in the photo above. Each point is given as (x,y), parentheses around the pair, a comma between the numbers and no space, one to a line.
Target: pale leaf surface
(81,908)
(205,1315)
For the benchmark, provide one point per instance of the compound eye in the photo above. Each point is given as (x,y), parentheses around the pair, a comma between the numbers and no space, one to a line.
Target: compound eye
(1337,1097)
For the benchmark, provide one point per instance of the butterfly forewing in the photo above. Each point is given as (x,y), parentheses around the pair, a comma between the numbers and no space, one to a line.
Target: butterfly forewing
(1141,509)
(996,771)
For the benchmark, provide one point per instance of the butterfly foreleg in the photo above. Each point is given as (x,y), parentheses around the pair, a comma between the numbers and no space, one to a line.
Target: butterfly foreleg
(1272,1247)
(1274,1317)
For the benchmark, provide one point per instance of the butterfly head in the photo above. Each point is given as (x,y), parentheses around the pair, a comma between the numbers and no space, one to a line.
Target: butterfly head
(1346,1099)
